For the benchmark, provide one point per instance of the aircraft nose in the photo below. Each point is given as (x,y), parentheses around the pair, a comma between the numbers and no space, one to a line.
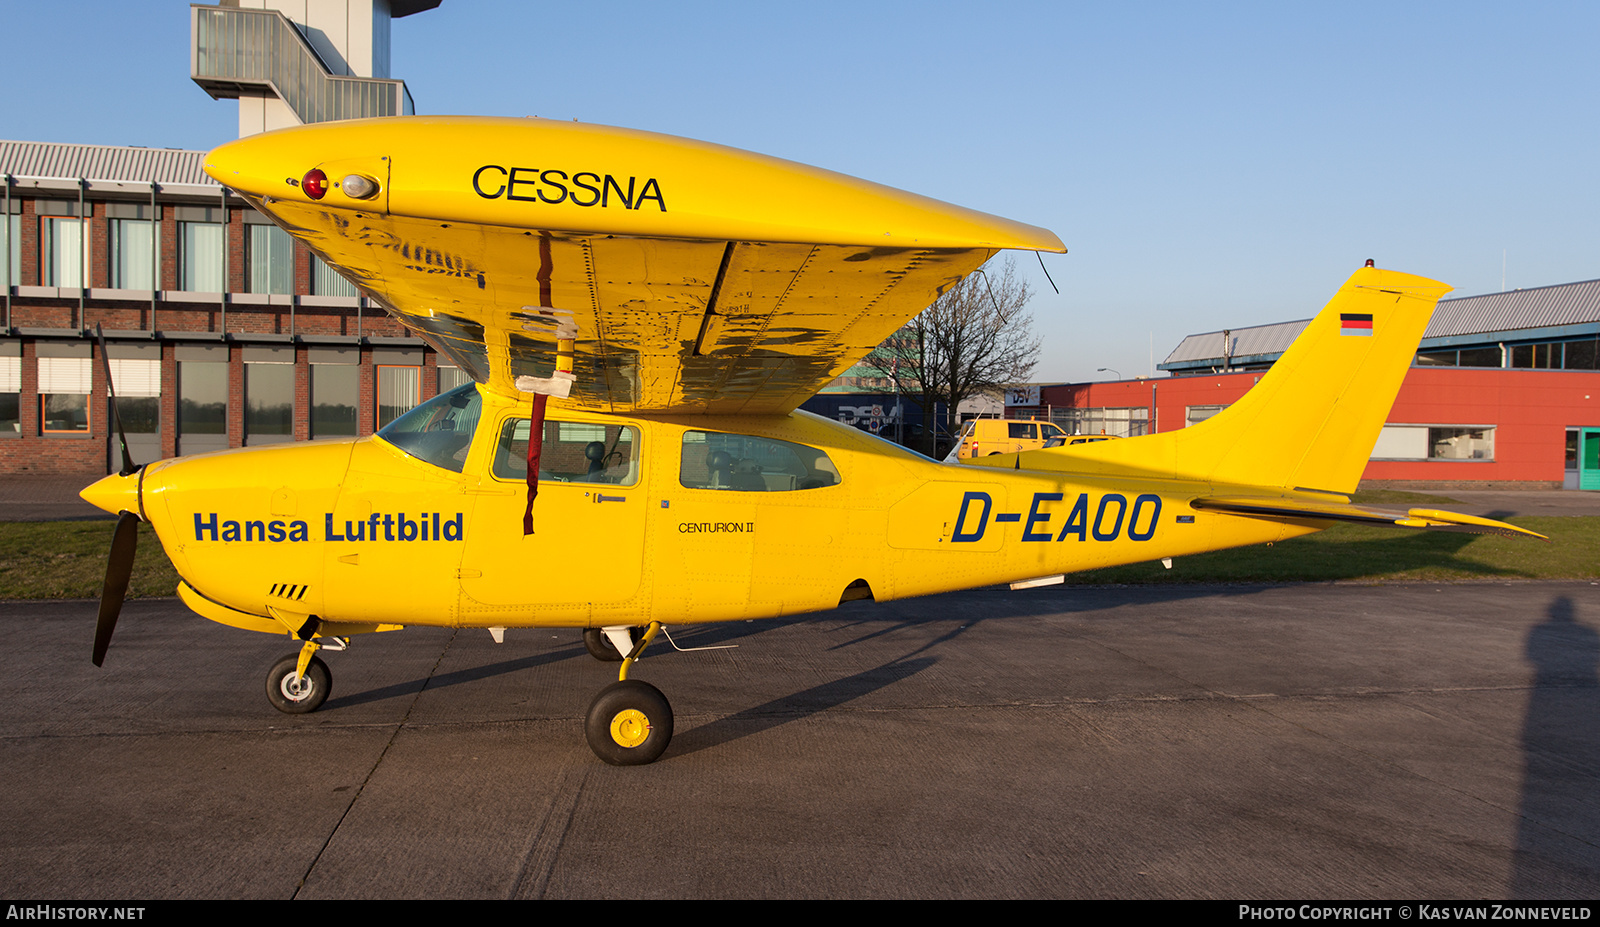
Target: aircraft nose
(115,494)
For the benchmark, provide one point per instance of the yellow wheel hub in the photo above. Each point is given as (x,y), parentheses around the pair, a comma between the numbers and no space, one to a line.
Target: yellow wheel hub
(630,728)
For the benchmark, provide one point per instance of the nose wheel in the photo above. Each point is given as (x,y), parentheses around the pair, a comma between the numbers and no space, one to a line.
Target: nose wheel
(295,689)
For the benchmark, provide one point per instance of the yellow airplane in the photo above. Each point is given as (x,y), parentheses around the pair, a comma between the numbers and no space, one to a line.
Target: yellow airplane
(641,316)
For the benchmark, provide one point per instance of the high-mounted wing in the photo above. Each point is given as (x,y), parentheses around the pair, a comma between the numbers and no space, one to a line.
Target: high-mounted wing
(699,278)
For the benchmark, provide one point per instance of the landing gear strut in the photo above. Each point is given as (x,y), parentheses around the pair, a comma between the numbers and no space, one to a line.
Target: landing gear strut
(629,722)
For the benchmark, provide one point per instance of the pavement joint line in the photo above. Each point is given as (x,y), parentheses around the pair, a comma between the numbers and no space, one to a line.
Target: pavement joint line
(356,796)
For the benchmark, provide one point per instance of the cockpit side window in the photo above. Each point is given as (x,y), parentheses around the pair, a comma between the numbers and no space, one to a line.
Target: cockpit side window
(440,430)
(573,452)
(745,463)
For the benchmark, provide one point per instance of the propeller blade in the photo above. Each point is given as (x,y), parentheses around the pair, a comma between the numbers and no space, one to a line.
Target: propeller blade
(116,417)
(119,567)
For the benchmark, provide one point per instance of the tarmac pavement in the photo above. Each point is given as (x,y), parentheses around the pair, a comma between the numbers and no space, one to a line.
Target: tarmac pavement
(1252,742)
(52,497)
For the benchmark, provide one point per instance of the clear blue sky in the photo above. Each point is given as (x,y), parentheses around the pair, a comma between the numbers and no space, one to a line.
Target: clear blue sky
(1209,165)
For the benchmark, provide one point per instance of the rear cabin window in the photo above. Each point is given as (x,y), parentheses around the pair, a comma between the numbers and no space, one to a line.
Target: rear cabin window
(744,463)
(573,452)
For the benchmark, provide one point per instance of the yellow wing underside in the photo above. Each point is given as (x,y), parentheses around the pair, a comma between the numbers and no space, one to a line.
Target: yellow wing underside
(663,325)
(742,285)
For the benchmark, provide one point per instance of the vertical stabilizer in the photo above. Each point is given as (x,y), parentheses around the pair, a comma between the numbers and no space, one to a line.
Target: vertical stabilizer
(1312,420)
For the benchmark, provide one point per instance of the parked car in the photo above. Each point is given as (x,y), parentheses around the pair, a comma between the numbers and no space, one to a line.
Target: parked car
(982,437)
(1067,440)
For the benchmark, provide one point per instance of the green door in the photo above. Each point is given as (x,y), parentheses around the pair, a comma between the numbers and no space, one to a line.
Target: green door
(1589,458)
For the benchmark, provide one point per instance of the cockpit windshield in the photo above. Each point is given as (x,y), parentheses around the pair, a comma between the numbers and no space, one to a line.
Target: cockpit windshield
(440,430)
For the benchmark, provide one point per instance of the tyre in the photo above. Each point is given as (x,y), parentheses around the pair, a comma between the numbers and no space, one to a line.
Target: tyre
(629,723)
(290,693)
(600,647)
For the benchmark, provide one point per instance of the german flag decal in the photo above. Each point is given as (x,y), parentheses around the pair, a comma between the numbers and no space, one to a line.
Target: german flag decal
(1355,323)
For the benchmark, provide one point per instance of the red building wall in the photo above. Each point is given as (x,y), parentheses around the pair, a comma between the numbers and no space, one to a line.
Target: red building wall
(1530,411)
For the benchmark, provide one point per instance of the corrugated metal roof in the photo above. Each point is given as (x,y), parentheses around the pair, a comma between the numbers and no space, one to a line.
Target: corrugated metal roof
(1246,342)
(1489,314)
(104,162)
(1539,307)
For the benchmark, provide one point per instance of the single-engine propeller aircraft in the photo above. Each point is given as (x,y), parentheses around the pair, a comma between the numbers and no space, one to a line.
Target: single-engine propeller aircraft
(641,316)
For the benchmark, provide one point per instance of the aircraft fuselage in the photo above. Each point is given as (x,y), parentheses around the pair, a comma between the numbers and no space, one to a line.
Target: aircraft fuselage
(683,519)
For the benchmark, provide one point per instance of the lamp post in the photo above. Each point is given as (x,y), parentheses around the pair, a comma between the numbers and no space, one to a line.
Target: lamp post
(1112,369)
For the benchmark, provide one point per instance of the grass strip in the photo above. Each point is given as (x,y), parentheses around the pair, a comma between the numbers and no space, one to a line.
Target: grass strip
(1367,553)
(67,560)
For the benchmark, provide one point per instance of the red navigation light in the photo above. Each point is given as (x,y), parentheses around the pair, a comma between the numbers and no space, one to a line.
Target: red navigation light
(315,183)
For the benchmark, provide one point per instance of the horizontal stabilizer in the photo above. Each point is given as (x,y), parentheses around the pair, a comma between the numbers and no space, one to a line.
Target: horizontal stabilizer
(1280,507)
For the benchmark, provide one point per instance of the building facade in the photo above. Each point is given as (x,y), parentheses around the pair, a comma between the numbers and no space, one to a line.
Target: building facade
(221,330)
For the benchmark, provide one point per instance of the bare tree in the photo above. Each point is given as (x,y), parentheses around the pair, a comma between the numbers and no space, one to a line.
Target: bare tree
(976,337)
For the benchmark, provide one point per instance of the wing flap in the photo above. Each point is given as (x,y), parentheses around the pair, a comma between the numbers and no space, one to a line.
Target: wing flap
(1434,519)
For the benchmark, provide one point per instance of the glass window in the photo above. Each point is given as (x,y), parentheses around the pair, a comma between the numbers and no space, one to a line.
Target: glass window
(744,463)
(271,256)
(133,250)
(268,403)
(1536,356)
(1430,442)
(11,251)
(325,281)
(440,430)
(335,391)
(1581,355)
(1194,415)
(1461,443)
(572,452)
(64,394)
(64,413)
(63,252)
(202,398)
(452,377)
(10,394)
(1436,358)
(1481,357)
(138,386)
(399,391)
(1025,431)
(200,257)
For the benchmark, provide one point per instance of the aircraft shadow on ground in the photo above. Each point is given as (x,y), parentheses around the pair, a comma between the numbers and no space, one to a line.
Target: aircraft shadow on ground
(456,677)
(806,702)
(1321,560)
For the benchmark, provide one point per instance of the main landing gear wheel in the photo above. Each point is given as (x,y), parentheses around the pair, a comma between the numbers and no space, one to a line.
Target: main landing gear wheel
(600,646)
(293,694)
(629,723)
